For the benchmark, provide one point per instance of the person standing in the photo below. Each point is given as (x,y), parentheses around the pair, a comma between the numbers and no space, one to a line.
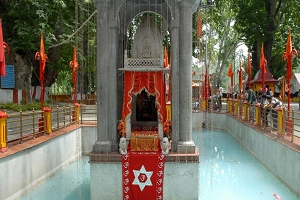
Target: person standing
(271,92)
(251,99)
(274,104)
(251,96)
(219,99)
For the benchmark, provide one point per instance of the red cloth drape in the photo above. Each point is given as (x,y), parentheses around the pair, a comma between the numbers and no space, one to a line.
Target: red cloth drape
(152,82)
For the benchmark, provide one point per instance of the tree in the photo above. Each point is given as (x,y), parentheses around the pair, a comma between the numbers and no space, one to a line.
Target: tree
(220,37)
(24,20)
(266,21)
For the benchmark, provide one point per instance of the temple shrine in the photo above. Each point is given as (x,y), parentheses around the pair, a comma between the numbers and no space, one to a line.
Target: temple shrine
(131,92)
(270,82)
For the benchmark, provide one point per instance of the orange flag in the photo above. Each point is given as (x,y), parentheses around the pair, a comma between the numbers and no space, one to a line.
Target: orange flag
(199,30)
(166,61)
(2,56)
(263,65)
(288,50)
(230,73)
(288,55)
(74,65)
(249,69)
(40,55)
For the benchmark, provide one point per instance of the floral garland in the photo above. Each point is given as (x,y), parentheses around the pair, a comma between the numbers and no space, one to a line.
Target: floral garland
(122,128)
(167,128)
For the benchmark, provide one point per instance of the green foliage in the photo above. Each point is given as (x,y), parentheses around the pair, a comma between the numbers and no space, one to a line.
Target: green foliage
(268,21)
(23,107)
(29,18)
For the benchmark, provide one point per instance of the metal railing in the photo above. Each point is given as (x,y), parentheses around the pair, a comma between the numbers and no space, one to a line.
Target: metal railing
(88,113)
(277,121)
(20,126)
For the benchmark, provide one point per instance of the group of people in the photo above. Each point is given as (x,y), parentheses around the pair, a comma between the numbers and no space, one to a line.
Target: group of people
(267,103)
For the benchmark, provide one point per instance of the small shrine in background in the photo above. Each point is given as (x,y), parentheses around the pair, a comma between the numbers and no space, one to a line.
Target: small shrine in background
(270,82)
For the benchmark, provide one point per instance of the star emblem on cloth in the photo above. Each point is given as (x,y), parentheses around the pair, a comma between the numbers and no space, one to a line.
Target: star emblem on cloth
(140,179)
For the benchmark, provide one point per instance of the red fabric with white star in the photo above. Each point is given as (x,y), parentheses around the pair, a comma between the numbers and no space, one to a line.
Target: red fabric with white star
(143,175)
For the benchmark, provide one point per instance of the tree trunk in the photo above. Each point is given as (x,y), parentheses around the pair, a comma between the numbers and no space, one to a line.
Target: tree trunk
(23,73)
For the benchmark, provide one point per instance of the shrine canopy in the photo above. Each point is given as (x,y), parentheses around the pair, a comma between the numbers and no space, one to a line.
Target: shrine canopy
(256,83)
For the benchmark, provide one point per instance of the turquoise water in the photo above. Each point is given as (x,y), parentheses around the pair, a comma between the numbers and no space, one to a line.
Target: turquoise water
(227,172)
(70,183)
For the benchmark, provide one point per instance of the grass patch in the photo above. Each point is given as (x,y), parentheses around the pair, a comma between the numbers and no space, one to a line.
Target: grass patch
(23,107)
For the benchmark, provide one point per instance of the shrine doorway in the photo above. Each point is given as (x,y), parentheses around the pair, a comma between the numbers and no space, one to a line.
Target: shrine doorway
(144,112)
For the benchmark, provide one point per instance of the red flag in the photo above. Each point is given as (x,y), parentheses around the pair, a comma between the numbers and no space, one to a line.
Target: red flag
(262,65)
(143,175)
(3,45)
(199,30)
(249,69)
(166,61)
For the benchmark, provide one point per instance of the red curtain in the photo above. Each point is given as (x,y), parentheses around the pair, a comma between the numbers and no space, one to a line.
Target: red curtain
(152,82)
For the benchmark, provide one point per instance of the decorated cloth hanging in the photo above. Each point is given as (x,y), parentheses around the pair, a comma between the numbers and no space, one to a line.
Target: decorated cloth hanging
(3,45)
(143,175)
(152,82)
(263,65)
